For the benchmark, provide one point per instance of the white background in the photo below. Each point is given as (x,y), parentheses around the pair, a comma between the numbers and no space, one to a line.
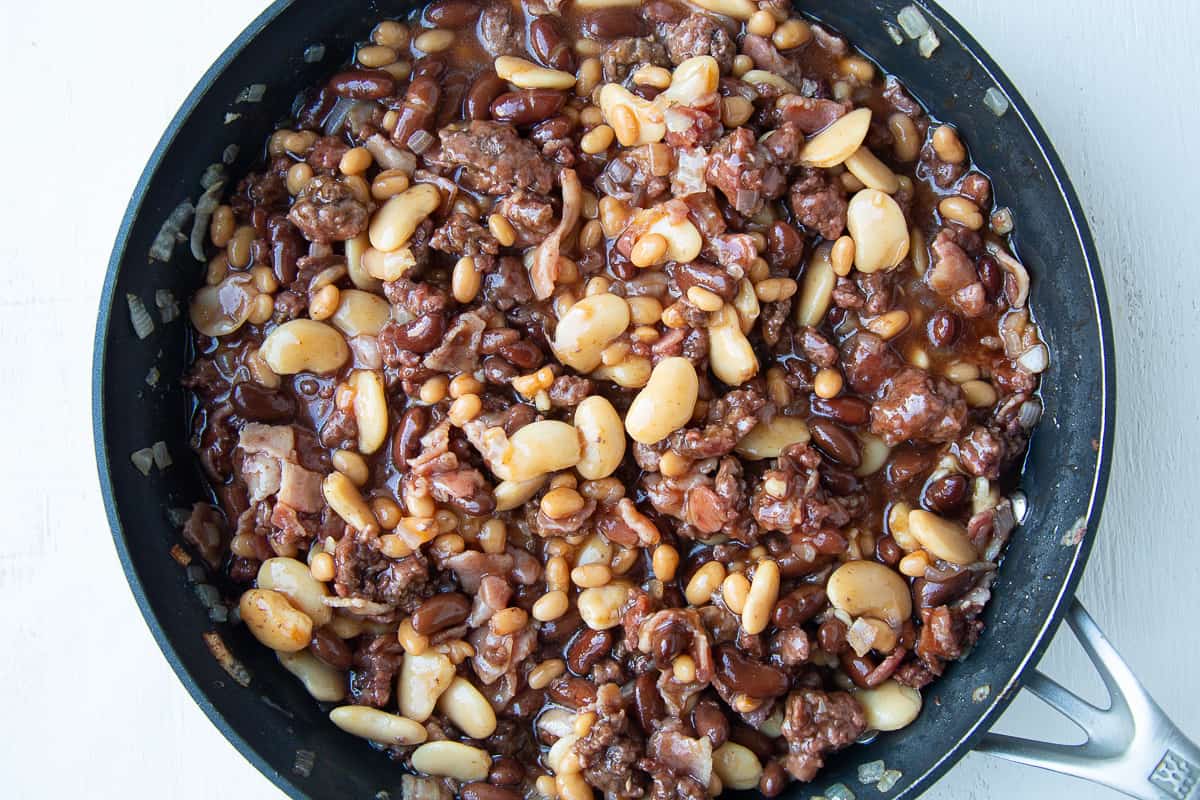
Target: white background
(90,708)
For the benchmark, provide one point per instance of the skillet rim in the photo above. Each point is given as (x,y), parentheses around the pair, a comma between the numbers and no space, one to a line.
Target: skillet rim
(987,714)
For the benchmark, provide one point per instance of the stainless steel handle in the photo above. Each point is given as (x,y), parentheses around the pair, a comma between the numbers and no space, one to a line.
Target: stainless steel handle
(1131,746)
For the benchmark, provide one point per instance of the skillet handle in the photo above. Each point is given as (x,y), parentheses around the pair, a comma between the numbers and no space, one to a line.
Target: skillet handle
(1131,746)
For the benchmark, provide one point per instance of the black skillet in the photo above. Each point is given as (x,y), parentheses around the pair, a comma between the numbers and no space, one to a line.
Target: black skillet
(273,719)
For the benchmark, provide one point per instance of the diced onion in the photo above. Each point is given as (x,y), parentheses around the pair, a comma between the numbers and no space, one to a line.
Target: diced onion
(205,207)
(230,154)
(162,456)
(212,175)
(888,780)
(871,771)
(928,43)
(336,118)
(1035,359)
(143,325)
(894,33)
(388,156)
(314,53)
(253,93)
(1002,221)
(168,309)
(142,459)
(995,101)
(170,232)
(913,22)
(688,177)
(420,141)
(152,377)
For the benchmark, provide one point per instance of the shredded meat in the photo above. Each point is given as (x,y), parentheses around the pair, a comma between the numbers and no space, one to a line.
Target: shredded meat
(816,724)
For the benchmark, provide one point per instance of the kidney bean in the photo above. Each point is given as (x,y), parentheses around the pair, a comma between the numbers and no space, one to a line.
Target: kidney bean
(749,677)
(506,771)
(561,629)
(498,371)
(945,494)
(549,45)
(430,66)
(785,246)
(858,668)
(709,720)
(647,702)
(990,275)
(799,606)
(522,354)
(835,442)
(406,441)
(526,704)
(551,129)
(486,87)
(838,481)
(439,612)
(452,14)
(755,741)
(831,636)
(944,327)
(316,106)
(418,110)
(486,791)
(887,551)
(572,692)
(977,188)
(931,594)
(704,275)
(330,649)
(849,411)
(663,11)
(421,334)
(905,465)
(527,106)
(611,23)
(260,404)
(773,779)
(363,84)
(586,649)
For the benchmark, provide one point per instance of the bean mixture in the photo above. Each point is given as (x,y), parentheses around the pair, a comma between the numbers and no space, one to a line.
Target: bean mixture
(602,397)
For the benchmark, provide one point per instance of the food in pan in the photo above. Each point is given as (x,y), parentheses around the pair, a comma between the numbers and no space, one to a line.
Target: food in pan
(611,398)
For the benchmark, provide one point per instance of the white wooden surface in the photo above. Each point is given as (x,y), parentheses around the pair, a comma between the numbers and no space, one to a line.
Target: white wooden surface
(91,708)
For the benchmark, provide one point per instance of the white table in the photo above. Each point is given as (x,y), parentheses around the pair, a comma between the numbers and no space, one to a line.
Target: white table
(91,708)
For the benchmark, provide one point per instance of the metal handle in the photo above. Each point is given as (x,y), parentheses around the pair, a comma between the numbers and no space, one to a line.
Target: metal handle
(1131,746)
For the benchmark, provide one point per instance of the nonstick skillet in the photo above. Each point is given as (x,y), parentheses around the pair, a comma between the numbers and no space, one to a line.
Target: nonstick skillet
(272,720)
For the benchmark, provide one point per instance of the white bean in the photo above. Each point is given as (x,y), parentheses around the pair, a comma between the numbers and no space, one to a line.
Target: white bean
(378,726)
(322,681)
(370,409)
(304,345)
(879,230)
(452,760)
(838,141)
(293,579)
(602,436)
(346,501)
(600,607)
(738,9)
(394,224)
(729,351)
(355,248)
(874,174)
(587,328)
(769,439)
(694,78)
(514,494)
(666,403)
(361,313)
(760,602)
(467,708)
(634,120)
(875,452)
(422,680)
(943,538)
(222,309)
(528,75)
(816,292)
(890,706)
(274,622)
(868,588)
(538,448)
(736,766)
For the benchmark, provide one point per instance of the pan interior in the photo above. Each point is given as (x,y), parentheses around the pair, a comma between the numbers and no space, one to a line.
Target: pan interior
(273,719)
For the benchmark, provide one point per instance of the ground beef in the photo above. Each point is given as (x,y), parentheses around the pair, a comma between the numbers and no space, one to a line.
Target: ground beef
(981,452)
(377,661)
(766,57)
(494,159)
(744,172)
(919,407)
(808,114)
(327,211)
(499,33)
(819,203)
(803,504)
(532,216)
(868,362)
(326,153)
(610,749)
(623,56)
(946,633)
(818,723)
(458,351)
(699,35)
(568,391)
(363,571)
(953,276)
(728,420)
(462,236)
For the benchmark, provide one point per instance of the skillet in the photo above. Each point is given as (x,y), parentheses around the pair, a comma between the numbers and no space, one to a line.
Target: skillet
(277,726)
